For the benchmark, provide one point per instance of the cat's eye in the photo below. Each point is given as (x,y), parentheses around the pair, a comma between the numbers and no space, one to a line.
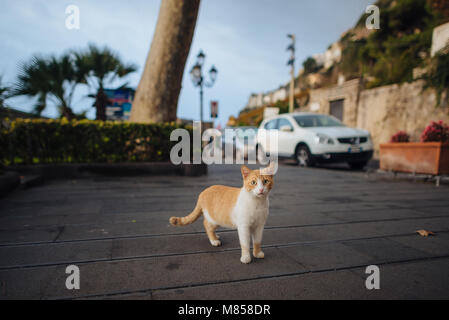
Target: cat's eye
(266,181)
(253,182)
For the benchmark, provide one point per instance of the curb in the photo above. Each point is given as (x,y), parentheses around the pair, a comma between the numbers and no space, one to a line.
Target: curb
(80,170)
(403,176)
(8,182)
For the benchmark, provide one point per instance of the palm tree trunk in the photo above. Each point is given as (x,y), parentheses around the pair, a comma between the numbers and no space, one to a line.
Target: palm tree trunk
(67,113)
(101,101)
(156,98)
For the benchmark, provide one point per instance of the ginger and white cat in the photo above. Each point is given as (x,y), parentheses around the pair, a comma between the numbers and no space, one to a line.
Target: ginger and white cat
(244,209)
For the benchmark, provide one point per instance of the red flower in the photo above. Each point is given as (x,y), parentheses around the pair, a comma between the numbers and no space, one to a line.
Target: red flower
(400,136)
(436,132)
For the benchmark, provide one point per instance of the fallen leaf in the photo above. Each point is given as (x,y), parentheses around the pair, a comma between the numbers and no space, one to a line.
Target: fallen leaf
(425,233)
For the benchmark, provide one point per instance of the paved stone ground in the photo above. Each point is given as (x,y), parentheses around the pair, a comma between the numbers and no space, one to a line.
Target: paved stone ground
(325,226)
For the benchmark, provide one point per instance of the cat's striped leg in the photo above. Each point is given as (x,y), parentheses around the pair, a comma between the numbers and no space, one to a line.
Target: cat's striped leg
(245,243)
(210,230)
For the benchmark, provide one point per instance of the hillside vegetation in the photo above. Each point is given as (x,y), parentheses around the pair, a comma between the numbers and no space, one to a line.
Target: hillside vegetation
(389,55)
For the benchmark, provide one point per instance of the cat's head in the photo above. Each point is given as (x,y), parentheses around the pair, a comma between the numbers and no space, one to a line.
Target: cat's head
(258,182)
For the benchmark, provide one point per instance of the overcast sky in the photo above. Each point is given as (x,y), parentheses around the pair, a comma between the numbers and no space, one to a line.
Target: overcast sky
(244,39)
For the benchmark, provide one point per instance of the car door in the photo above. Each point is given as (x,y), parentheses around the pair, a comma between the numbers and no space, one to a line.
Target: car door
(286,137)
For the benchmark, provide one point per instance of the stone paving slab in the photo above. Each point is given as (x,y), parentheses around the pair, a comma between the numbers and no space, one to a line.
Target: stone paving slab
(438,245)
(321,220)
(415,280)
(330,285)
(64,251)
(382,249)
(278,262)
(141,274)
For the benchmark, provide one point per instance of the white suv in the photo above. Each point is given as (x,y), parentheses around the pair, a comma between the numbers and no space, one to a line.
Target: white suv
(310,138)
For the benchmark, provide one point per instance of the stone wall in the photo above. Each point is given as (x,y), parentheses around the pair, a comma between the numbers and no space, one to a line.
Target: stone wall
(320,100)
(385,110)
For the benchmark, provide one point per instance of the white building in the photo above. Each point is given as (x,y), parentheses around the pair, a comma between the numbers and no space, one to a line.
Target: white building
(326,60)
(440,38)
(319,59)
(332,55)
(257,100)
(280,94)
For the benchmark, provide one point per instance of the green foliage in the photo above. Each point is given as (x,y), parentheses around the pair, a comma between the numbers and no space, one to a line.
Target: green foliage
(438,75)
(284,106)
(48,78)
(102,64)
(98,66)
(4,93)
(390,54)
(396,62)
(310,66)
(55,78)
(26,141)
(352,58)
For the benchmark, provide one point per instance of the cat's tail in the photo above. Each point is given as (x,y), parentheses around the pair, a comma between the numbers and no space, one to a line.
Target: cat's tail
(191,218)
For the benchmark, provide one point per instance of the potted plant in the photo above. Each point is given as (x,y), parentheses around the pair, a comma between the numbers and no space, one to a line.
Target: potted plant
(400,136)
(430,156)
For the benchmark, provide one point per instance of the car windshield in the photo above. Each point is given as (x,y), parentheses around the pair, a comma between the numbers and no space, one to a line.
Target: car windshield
(317,120)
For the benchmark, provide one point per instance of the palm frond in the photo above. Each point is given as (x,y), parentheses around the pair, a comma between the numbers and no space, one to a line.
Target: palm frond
(41,104)
(45,77)
(103,63)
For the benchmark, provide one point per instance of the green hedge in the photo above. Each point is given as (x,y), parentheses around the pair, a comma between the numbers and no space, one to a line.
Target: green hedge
(33,141)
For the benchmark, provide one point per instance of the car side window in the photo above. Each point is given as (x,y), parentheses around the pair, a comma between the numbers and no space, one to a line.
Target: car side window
(284,122)
(272,125)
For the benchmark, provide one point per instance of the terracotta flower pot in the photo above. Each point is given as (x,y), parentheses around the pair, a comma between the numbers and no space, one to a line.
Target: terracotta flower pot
(419,157)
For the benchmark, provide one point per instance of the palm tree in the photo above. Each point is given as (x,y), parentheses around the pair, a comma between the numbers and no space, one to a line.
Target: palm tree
(53,79)
(157,95)
(97,67)
(4,93)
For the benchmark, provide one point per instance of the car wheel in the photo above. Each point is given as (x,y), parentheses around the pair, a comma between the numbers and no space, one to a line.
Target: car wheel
(303,157)
(358,165)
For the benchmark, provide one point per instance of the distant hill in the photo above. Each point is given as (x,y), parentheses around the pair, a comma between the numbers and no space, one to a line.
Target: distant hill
(402,43)
(387,55)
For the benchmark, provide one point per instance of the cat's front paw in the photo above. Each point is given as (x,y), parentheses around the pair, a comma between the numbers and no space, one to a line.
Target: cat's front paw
(245,259)
(215,243)
(259,255)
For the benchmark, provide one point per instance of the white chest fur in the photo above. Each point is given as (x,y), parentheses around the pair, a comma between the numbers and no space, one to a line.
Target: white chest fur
(250,211)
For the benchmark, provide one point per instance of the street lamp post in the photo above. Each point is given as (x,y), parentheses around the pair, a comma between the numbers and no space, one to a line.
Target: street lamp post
(198,80)
(291,62)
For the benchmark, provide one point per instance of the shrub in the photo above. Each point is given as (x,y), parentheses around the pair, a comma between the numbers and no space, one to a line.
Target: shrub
(310,66)
(436,132)
(27,141)
(400,136)
(438,76)
(390,54)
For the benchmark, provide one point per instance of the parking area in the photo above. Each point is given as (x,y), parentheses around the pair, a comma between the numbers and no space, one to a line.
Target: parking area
(325,227)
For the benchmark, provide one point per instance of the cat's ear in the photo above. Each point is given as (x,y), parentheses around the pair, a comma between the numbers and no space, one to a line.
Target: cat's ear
(245,171)
(270,170)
